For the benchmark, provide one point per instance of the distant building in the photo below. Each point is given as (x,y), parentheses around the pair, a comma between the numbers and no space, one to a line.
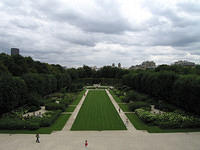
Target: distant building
(113,64)
(14,51)
(94,68)
(145,65)
(119,65)
(148,64)
(184,63)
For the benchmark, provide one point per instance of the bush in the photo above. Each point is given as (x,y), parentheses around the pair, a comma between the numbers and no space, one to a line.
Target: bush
(17,124)
(34,108)
(165,106)
(54,106)
(139,104)
(135,96)
(146,116)
(49,118)
(168,120)
(32,125)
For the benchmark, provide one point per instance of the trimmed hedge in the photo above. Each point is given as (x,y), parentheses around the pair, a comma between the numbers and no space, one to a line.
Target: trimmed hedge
(31,123)
(34,108)
(49,118)
(139,104)
(165,106)
(169,119)
(15,123)
(54,106)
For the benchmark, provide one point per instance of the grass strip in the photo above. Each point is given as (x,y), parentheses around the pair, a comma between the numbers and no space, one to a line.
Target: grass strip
(98,113)
(124,107)
(78,98)
(70,108)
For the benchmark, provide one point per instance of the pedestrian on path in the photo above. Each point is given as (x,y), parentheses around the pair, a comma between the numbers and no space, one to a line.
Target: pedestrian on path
(37,138)
(119,109)
(86,143)
(127,121)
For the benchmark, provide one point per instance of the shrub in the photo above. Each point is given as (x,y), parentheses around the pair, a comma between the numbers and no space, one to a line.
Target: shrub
(49,118)
(135,96)
(139,104)
(32,125)
(146,116)
(34,108)
(54,106)
(169,119)
(165,106)
(16,124)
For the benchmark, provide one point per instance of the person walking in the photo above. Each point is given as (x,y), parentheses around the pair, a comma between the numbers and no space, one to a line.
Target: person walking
(86,143)
(127,121)
(119,109)
(37,138)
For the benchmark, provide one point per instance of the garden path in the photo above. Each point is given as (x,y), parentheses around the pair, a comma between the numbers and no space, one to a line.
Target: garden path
(101,140)
(122,115)
(72,118)
(36,113)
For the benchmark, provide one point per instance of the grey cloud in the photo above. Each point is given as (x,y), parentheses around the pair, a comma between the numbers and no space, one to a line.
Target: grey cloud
(106,19)
(190,7)
(25,23)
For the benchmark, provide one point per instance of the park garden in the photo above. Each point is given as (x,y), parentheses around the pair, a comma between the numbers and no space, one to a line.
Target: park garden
(38,97)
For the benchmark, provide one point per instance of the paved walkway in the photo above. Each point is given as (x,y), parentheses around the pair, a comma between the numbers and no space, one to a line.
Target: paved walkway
(129,125)
(74,114)
(101,140)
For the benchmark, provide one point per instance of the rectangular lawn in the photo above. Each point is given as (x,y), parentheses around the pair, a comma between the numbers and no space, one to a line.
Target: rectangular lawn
(98,113)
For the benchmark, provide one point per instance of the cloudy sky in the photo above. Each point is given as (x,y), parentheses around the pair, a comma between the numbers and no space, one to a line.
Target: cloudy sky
(102,32)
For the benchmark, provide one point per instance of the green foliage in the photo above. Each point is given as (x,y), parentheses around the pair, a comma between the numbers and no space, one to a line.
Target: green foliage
(139,104)
(49,118)
(54,106)
(182,91)
(168,119)
(134,96)
(13,92)
(161,105)
(34,108)
(16,123)
(31,123)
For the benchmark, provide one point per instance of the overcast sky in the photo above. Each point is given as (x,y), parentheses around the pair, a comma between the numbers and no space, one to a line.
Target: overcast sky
(102,32)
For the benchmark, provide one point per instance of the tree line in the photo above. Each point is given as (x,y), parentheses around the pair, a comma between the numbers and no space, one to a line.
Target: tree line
(23,81)
(180,90)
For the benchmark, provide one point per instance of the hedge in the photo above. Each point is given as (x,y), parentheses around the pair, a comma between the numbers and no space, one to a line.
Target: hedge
(168,119)
(54,106)
(31,123)
(139,104)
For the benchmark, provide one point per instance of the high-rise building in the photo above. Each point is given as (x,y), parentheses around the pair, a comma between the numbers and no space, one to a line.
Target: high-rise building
(14,51)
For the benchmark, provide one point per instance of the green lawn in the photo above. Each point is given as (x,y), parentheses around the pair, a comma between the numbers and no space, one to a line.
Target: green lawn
(56,126)
(140,125)
(77,100)
(117,99)
(124,107)
(70,108)
(98,113)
